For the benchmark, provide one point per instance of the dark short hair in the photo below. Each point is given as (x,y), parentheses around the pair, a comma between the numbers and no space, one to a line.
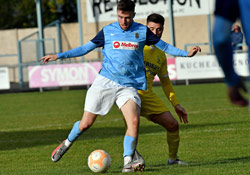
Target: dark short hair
(156,18)
(126,5)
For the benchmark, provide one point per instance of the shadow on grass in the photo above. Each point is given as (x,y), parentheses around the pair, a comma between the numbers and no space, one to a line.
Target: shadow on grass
(160,167)
(206,125)
(223,161)
(33,138)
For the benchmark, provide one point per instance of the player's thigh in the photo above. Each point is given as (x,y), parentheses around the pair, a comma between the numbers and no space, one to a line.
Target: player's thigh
(128,101)
(155,110)
(166,120)
(130,111)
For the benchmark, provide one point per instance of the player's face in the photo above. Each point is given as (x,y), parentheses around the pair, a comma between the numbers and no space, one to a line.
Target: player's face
(125,19)
(156,28)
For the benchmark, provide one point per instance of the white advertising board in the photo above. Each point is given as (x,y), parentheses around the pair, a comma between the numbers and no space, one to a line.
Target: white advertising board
(4,78)
(202,67)
(241,64)
(105,10)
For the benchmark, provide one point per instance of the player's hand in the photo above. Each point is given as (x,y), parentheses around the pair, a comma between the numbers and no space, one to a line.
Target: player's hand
(193,51)
(180,111)
(234,94)
(48,58)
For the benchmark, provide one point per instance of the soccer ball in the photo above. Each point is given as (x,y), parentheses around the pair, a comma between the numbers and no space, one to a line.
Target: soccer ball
(99,161)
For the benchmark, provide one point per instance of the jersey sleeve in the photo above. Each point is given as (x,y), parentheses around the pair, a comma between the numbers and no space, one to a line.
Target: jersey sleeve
(171,50)
(97,41)
(79,51)
(168,89)
(151,38)
(166,83)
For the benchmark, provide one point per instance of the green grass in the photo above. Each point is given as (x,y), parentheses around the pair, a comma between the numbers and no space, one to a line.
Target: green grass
(216,140)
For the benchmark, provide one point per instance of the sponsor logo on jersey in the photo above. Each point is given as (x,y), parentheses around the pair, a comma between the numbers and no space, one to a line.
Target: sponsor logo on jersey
(116,44)
(125,45)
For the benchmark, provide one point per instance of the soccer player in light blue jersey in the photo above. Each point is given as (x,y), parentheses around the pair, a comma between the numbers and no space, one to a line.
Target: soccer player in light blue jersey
(226,13)
(122,74)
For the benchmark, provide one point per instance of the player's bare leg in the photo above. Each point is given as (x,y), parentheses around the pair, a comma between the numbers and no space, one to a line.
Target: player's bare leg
(87,120)
(131,113)
(133,161)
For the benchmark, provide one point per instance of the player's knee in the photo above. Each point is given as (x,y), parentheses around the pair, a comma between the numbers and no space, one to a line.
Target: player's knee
(173,126)
(133,122)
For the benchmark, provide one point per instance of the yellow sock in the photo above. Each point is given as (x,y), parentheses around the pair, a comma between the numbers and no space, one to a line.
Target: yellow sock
(173,140)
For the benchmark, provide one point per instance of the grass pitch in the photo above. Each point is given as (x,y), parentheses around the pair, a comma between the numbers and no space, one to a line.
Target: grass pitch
(216,140)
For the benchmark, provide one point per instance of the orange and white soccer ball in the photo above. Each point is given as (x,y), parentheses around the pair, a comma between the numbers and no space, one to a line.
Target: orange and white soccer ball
(99,161)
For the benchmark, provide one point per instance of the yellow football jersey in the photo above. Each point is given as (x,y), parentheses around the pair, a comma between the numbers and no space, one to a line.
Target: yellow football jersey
(155,64)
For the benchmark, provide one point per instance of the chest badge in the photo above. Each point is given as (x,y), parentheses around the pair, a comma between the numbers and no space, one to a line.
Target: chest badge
(136,34)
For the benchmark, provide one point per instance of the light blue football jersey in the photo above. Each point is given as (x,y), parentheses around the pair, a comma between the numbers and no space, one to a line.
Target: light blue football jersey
(123,55)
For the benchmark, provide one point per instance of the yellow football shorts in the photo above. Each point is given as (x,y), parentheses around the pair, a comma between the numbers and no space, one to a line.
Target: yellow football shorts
(151,104)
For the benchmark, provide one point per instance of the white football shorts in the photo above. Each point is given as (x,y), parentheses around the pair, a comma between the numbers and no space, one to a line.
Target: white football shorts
(104,92)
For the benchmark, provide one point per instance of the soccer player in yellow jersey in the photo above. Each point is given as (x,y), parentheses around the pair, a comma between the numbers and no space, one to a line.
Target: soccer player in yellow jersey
(152,107)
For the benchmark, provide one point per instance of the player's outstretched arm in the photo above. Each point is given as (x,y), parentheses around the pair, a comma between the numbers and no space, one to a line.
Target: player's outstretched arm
(180,111)
(172,50)
(48,58)
(193,51)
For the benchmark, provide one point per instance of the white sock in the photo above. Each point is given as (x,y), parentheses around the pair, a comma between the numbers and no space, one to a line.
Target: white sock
(67,143)
(127,159)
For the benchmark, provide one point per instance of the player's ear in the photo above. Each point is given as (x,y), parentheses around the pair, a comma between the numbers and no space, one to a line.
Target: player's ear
(134,14)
